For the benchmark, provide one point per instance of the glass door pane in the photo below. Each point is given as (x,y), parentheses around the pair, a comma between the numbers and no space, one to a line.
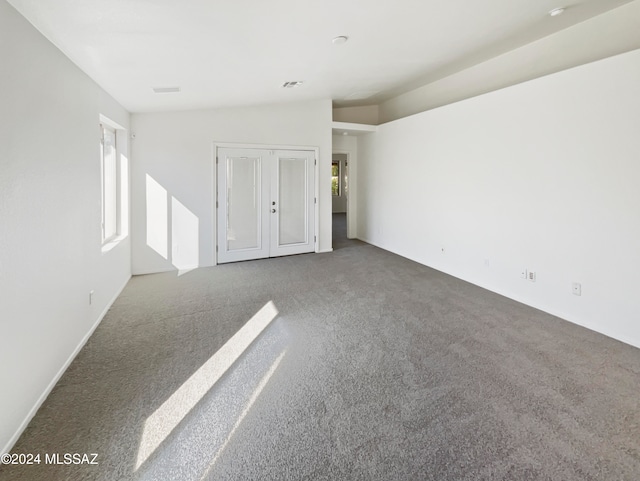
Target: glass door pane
(243,203)
(292,199)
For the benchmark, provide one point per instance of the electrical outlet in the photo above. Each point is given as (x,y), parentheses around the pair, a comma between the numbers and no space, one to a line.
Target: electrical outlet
(91,296)
(532,276)
(442,249)
(523,274)
(576,288)
(486,263)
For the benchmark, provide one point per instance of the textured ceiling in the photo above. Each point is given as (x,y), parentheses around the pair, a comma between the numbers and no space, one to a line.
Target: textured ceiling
(240,52)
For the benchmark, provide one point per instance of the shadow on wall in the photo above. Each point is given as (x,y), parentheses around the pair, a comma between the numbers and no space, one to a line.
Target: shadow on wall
(180,244)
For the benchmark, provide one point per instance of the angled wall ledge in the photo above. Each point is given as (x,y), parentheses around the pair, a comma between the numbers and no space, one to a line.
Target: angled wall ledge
(339,128)
(606,35)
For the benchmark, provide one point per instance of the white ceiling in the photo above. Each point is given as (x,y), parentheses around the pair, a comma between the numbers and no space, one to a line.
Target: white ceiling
(240,52)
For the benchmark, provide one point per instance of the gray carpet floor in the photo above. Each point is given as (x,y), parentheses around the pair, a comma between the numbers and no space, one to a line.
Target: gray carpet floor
(375,368)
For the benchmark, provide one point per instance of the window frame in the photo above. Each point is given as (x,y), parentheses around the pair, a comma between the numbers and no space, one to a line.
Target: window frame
(113,202)
(338,177)
(120,193)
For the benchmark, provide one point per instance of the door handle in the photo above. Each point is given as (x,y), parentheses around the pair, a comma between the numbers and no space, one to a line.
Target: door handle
(273,211)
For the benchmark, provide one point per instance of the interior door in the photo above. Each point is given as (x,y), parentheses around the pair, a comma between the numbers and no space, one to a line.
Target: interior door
(243,210)
(293,206)
(266,203)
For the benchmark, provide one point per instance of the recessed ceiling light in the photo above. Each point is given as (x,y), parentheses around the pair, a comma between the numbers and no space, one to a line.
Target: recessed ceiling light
(340,40)
(290,85)
(166,90)
(556,11)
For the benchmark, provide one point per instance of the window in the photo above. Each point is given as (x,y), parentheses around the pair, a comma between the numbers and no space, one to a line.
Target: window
(114,183)
(109,171)
(335,178)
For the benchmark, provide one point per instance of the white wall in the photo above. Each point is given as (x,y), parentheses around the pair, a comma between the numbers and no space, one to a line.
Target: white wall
(542,175)
(365,114)
(175,151)
(611,33)
(50,235)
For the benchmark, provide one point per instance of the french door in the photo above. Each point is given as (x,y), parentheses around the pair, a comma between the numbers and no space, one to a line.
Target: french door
(265,203)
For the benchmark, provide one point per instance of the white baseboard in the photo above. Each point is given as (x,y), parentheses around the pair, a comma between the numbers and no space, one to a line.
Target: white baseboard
(154,271)
(59,374)
(527,302)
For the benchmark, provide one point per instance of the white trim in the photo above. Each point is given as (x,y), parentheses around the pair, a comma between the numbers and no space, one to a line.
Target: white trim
(214,199)
(59,374)
(167,269)
(519,299)
(349,126)
(316,196)
(121,146)
(111,243)
(231,145)
(113,125)
(351,214)
(157,271)
(324,251)
(340,182)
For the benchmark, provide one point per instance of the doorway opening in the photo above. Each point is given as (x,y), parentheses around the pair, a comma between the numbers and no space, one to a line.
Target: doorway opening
(339,196)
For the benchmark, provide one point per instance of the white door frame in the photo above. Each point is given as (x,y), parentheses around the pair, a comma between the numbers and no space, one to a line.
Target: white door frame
(214,178)
(350,234)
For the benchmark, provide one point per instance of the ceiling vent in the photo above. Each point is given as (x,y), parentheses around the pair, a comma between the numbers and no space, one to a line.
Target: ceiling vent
(166,90)
(290,85)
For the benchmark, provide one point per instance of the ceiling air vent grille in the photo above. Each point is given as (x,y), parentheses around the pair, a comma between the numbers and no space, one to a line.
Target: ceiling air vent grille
(166,90)
(290,85)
